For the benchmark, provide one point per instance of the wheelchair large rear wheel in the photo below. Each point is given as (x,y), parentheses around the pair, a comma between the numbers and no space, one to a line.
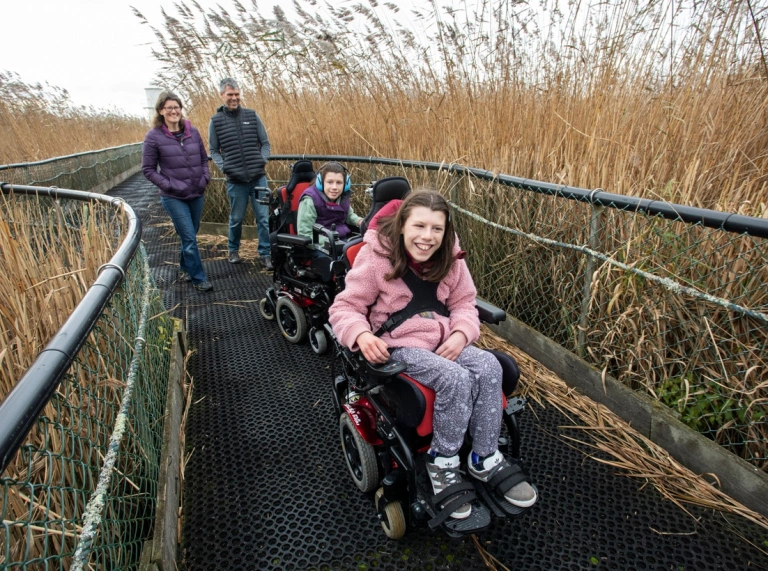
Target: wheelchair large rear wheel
(392,517)
(291,319)
(266,309)
(360,456)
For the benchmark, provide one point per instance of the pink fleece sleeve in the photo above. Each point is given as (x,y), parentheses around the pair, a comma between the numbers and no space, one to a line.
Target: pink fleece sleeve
(349,313)
(461,303)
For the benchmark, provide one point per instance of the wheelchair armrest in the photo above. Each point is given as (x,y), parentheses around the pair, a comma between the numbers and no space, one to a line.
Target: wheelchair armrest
(388,369)
(293,240)
(488,312)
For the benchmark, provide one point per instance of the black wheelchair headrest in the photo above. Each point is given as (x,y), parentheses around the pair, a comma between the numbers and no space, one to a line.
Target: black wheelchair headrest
(390,188)
(385,190)
(301,171)
(302,166)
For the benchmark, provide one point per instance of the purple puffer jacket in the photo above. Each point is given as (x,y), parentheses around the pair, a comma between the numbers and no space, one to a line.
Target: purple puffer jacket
(183,164)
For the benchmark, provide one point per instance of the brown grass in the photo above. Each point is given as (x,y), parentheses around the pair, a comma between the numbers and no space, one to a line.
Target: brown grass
(55,252)
(53,264)
(632,454)
(617,101)
(39,122)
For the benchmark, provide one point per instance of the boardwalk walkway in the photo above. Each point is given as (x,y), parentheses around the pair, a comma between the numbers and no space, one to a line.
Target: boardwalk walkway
(266,487)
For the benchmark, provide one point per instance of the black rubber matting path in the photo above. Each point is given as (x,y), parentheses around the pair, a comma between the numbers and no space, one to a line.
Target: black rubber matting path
(266,486)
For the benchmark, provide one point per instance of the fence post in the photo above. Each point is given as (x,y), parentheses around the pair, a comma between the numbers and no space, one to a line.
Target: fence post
(454,189)
(594,229)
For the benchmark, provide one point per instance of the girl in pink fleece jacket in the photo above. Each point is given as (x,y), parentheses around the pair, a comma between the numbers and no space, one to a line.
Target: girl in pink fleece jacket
(418,246)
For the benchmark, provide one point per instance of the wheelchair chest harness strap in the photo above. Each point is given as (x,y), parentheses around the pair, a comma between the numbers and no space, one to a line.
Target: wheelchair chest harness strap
(424,299)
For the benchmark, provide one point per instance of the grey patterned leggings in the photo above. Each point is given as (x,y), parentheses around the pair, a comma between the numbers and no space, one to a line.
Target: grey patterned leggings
(467,395)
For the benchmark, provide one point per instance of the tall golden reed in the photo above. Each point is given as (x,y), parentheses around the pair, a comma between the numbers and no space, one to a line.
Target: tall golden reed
(54,250)
(38,122)
(655,99)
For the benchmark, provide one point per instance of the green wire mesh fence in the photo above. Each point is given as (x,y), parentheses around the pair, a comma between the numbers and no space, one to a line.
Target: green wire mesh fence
(81,490)
(674,309)
(82,171)
(57,500)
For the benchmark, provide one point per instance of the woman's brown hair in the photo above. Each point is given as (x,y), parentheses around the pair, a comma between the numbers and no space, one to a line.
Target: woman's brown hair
(162,99)
(391,236)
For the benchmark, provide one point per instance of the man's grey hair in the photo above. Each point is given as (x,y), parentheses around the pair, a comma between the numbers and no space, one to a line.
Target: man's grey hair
(228,82)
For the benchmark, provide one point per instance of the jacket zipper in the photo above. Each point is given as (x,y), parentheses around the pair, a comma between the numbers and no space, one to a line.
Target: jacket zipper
(238,122)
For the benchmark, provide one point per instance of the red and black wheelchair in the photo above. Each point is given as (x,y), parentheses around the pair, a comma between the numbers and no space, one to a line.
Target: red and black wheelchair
(385,424)
(303,286)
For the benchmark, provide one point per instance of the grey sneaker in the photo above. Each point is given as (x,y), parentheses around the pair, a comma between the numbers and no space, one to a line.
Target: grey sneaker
(443,472)
(521,495)
(234,258)
(184,276)
(203,286)
(267,261)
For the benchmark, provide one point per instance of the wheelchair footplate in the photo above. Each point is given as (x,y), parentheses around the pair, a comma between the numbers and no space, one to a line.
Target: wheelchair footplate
(479,519)
(491,495)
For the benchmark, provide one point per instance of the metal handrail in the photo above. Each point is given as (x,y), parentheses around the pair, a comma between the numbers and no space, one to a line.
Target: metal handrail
(54,159)
(22,406)
(728,222)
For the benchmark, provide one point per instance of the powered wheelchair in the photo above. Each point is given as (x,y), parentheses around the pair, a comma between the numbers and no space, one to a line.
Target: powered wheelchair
(385,424)
(303,286)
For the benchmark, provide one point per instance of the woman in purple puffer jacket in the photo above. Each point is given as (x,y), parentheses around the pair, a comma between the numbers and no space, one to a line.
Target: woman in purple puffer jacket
(175,146)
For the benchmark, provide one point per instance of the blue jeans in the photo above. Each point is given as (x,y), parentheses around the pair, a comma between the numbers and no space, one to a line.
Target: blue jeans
(240,193)
(185,215)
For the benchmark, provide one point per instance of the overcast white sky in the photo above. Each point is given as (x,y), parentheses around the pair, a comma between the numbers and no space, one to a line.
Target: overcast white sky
(95,49)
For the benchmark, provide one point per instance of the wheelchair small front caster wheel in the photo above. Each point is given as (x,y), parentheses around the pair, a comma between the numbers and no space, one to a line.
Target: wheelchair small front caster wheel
(266,309)
(291,320)
(318,341)
(392,517)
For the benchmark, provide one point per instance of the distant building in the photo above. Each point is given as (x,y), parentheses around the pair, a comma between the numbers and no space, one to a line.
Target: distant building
(152,94)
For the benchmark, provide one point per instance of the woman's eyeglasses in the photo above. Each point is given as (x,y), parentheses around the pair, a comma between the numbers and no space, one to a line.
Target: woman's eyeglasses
(170,109)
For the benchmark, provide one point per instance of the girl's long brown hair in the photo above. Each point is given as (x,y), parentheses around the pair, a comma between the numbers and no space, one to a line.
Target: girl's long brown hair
(391,236)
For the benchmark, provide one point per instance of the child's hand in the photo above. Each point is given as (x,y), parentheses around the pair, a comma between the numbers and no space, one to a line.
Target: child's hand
(374,349)
(453,346)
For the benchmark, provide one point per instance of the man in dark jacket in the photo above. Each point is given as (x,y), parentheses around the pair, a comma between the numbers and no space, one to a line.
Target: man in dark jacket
(240,148)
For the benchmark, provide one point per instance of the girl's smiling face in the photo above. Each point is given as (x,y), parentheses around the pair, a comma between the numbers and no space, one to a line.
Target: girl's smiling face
(423,233)
(333,185)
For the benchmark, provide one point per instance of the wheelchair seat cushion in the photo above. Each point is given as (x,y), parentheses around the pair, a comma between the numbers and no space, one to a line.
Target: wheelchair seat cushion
(408,401)
(412,403)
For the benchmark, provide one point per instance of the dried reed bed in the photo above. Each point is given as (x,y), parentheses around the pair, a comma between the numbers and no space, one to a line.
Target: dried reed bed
(39,122)
(54,250)
(651,99)
(615,443)
(703,359)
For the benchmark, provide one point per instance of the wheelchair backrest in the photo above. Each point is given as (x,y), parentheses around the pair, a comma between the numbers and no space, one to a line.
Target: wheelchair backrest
(302,176)
(383,191)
